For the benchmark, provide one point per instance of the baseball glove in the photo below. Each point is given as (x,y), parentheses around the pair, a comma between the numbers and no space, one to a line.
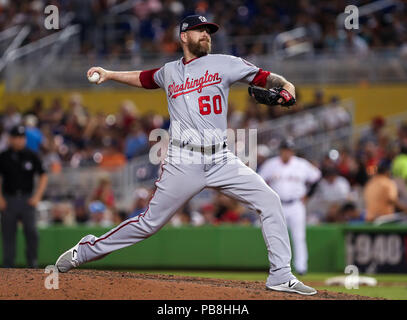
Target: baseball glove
(272,96)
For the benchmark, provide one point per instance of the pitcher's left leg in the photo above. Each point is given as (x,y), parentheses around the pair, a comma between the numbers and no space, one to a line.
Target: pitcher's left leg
(240,182)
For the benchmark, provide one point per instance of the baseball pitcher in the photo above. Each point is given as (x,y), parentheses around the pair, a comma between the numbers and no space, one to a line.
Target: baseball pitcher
(197,88)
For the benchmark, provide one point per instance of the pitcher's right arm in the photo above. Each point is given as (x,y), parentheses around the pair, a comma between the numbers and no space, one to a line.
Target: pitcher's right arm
(139,78)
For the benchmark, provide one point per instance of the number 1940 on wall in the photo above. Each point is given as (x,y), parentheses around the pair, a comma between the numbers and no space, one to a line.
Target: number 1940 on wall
(377,252)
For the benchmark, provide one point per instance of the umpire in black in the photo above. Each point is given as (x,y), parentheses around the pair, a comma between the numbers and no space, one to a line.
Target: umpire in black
(18,199)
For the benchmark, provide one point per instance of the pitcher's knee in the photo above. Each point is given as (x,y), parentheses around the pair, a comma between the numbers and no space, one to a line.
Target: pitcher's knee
(149,226)
(269,202)
(272,198)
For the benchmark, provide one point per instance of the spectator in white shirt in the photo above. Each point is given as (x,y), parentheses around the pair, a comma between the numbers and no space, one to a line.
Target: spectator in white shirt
(332,192)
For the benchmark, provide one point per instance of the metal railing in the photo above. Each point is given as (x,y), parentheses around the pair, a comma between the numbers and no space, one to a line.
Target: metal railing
(74,183)
(20,36)
(314,131)
(391,128)
(7,36)
(27,67)
(121,7)
(290,53)
(368,9)
(299,43)
(70,71)
(12,38)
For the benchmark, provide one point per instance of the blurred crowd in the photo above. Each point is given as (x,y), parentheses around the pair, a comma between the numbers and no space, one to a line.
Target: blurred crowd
(366,183)
(361,182)
(145,27)
(71,136)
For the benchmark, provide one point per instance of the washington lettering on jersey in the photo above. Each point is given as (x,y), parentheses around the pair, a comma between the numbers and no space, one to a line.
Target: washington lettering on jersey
(209,79)
(203,84)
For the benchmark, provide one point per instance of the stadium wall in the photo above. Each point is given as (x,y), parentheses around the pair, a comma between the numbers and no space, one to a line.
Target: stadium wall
(205,247)
(373,249)
(370,100)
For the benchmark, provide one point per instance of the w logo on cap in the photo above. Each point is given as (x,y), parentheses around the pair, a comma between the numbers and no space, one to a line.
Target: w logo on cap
(195,21)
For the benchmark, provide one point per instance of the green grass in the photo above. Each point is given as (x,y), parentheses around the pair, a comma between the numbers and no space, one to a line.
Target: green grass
(390,286)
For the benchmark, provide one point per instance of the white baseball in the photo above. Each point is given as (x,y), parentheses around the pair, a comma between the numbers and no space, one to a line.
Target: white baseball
(94,77)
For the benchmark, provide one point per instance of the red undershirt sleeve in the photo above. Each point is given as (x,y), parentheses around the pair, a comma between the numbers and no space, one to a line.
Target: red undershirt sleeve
(147,79)
(260,78)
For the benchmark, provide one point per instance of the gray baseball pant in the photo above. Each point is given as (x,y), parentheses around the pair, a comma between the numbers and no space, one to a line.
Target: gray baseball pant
(178,183)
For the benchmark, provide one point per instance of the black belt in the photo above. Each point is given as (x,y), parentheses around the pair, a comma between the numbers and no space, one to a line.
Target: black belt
(291,201)
(199,148)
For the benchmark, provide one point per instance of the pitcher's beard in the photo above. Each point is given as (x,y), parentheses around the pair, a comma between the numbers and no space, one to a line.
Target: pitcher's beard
(199,48)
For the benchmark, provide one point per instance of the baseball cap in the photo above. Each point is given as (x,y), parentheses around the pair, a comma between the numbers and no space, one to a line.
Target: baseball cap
(329,171)
(287,144)
(194,21)
(17,131)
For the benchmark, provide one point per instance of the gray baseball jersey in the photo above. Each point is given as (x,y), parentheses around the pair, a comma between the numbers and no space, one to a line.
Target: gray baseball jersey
(197,94)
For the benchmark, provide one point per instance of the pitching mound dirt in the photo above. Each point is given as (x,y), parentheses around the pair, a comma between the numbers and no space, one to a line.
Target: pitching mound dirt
(20,284)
